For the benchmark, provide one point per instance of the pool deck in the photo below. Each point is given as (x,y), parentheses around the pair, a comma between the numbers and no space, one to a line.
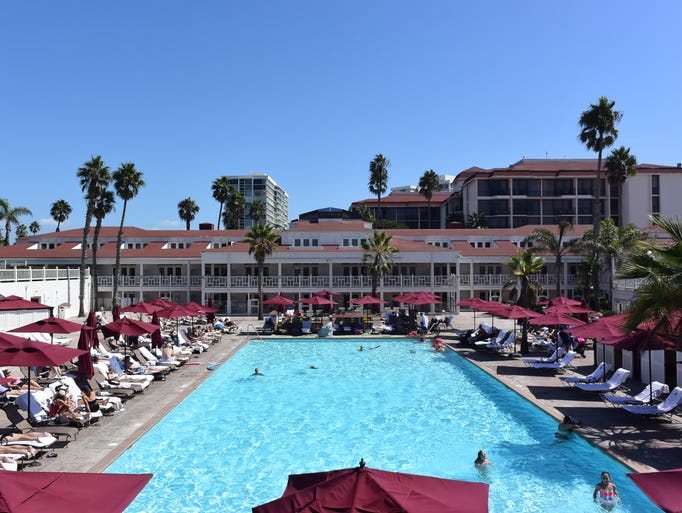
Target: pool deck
(641,443)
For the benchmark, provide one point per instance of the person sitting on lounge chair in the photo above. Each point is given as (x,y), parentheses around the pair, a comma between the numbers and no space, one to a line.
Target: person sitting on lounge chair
(63,406)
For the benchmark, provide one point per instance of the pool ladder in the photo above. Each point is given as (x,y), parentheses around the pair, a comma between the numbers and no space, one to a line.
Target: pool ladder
(252,328)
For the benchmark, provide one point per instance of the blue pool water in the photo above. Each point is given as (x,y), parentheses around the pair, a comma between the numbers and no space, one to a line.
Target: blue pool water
(402,407)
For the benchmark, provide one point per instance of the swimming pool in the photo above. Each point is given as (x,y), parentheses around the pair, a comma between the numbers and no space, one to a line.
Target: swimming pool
(402,407)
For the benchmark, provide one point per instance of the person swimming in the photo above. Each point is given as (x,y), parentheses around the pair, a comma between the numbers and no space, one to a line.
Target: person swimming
(257,372)
(605,493)
(482,459)
(566,426)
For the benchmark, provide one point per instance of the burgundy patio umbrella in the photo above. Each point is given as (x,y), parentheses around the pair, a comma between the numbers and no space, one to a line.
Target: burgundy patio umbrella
(367,300)
(368,490)
(475,303)
(512,312)
(327,293)
(556,319)
(86,369)
(560,300)
(19,303)
(279,301)
(664,488)
(163,302)
(49,325)
(91,319)
(20,352)
(157,338)
(116,313)
(569,309)
(129,328)
(68,492)
(141,307)
(210,316)
(317,301)
(421,298)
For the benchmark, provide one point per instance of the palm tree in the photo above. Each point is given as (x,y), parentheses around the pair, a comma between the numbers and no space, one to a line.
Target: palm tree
(94,176)
(427,184)
(10,215)
(523,266)
(477,220)
(545,240)
(127,183)
(364,212)
(34,227)
(379,255)
(262,242)
(22,231)
(60,212)
(598,131)
(234,212)
(613,243)
(104,204)
(257,211)
(620,165)
(222,191)
(187,210)
(659,298)
(378,178)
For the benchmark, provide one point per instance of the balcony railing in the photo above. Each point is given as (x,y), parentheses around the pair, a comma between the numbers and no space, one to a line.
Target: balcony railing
(29,274)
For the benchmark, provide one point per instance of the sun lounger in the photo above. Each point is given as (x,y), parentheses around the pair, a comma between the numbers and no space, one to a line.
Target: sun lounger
(593,377)
(22,425)
(666,408)
(614,382)
(507,343)
(558,353)
(563,363)
(501,335)
(652,391)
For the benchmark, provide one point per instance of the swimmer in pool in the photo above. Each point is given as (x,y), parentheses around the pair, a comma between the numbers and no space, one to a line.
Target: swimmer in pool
(257,372)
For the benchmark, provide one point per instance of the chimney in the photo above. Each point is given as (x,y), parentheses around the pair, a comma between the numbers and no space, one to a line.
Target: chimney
(206,226)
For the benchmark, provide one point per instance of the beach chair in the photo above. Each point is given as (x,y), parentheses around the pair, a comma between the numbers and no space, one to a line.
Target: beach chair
(21,424)
(593,377)
(498,339)
(563,363)
(558,353)
(652,391)
(507,343)
(616,381)
(666,408)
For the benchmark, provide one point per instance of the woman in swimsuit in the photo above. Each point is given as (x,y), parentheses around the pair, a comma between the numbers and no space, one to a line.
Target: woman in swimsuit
(605,493)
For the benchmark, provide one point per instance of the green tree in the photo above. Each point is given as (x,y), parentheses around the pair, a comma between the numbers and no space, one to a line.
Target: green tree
(378,179)
(429,183)
(262,242)
(234,212)
(127,184)
(10,215)
(104,205)
(364,212)
(477,220)
(378,254)
(620,165)
(659,298)
(94,176)
(187,211)
(524,266)
(257,211)
(598,131)
(221,190)
(34,227)
(545,239)
(60,212)
(22,231)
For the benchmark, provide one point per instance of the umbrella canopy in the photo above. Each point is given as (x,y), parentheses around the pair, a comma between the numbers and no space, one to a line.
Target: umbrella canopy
(129,327)
(20,352)
(157,338)
(162,302)
(175,312)
(419,298)
(475,303)
(598,329)
(317,301)
(91,319)
(367,300)
(141,307)
(664,488)
(556,319)
(569,309)
(279,301)
(512,312)
(199,309)
(327,293)
(19,303)
(560,300)
(50,325)
(86,369)
(368,490)
(66,492)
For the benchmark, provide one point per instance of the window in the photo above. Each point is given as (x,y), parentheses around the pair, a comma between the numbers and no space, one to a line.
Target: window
(556,207)
(557,187)
(493,207)
(585,187)
(526,207)
(526,187)
(493,187)
(655,195)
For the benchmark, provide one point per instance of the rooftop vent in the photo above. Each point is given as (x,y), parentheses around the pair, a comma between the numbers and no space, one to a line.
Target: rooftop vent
(206,226)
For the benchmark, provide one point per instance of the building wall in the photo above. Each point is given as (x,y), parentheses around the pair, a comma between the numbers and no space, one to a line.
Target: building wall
(637,197)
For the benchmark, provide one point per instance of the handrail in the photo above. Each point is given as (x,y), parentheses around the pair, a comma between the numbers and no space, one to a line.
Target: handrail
(251,327)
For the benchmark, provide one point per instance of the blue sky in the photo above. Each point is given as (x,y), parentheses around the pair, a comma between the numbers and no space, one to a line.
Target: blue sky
(309,91)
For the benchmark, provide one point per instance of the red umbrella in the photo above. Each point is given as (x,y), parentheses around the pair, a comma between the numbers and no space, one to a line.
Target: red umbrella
(141,307)
(116,313)
(49,325)
(512,312)
(367,300)
(598,329)
(175,312)
(19,303)
(157,338)
(560,300)
(569,309)
(163,302)
(279,301)
(199,309)
(210,316)
(91,320)
(327,293)
(317,301)
(556,319)
(664,488)
(86,370)
(475,303)
(362,489)
(421,299)
(130,328)
(67,492)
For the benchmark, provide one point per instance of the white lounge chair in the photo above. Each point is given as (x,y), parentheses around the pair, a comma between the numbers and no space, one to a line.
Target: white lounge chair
(665,408)
(652,391)
(507,343)
(614,382)
(563,363)
(558,353)
(593,377)
(492,340)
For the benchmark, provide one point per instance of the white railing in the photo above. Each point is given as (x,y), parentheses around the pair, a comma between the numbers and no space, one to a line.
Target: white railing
(41,274)
(628,284)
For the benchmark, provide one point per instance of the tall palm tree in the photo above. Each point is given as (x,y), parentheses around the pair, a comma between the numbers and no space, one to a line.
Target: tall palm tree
(659,298)
(613,243)
(127,183)
(104,204)
(545,239)
(10,215)
(378,178)
(94,176)
(222,191)
(620,165)
(379,255)
(60,211)
(523,267)
(234,211)
(187,210)
(257,211)
(262,242)
(34,227)
(598,131)
(427,184)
